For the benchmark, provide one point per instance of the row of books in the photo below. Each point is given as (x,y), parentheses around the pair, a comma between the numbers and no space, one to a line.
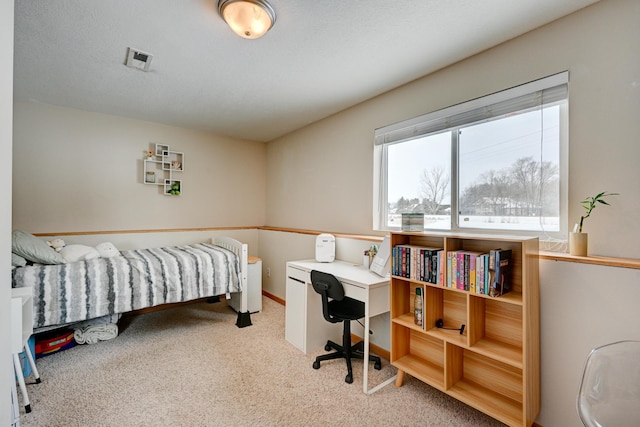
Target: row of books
(481,273)
(418,263)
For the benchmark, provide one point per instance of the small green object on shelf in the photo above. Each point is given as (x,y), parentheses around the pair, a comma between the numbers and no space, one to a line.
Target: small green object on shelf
(175,189)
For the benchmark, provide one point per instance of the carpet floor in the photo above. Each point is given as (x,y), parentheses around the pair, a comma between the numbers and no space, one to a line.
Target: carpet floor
(191,366)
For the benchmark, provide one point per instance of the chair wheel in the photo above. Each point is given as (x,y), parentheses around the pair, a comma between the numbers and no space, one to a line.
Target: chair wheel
(348,379)
(327,347)
(316,365)
(377,366)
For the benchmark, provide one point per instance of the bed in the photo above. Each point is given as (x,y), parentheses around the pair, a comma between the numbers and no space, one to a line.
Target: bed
(65,294)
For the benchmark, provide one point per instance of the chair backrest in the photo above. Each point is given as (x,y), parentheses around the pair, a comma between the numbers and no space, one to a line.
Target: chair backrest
(328,287)
(609,393)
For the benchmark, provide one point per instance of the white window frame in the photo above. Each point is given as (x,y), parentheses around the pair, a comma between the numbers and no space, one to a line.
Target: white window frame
(540,92)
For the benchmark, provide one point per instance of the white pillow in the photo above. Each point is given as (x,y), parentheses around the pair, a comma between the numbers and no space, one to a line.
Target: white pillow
(73,253)
(107,250)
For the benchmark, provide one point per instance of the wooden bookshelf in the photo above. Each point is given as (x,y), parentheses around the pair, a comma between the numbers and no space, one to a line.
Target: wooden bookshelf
(494,365)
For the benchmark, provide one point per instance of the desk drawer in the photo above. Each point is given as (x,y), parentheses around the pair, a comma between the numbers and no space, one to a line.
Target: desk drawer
(354,291)
(298,275)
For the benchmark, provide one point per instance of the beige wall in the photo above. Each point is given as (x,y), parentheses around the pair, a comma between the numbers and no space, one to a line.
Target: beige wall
(6,101)
(581,307)
(77,170)
(321,176)
(81,171)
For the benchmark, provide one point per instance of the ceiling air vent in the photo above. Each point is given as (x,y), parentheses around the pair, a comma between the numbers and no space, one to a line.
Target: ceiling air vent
(138,59)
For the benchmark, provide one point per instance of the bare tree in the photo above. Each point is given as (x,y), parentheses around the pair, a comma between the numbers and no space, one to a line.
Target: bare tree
(434,184)
(530,179)
(498,184)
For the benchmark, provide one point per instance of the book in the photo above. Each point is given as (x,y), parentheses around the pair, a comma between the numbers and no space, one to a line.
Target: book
(441,267)
(461,270)
(415,262)
(431,265)
(454,270)
(500,272)
(449,269)
(472,272)
(482,263)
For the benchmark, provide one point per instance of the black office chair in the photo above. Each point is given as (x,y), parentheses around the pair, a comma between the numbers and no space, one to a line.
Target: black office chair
(338,308)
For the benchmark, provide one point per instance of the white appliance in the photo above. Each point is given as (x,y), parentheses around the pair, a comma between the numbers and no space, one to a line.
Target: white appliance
(325,248)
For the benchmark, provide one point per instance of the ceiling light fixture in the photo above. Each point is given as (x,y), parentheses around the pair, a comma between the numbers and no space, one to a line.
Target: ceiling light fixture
(250,19)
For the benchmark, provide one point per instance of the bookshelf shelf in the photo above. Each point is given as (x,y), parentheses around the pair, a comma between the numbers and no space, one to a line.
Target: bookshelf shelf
(508,354)
(494,365)
(486,400)
(448,336)
(423,370)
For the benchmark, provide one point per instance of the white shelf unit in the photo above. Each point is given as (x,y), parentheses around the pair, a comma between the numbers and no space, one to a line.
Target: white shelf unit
(159,169)
(21,317)
(21,330)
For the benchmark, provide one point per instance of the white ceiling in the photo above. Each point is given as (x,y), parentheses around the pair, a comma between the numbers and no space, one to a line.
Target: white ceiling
(321,57)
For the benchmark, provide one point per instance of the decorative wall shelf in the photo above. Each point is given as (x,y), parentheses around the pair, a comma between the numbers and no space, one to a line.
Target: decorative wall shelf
(159,169)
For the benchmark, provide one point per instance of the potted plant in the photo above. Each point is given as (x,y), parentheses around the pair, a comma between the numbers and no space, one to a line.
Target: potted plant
(578,241)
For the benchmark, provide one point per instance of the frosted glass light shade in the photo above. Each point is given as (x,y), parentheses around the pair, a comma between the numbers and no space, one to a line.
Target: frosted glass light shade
(250,19)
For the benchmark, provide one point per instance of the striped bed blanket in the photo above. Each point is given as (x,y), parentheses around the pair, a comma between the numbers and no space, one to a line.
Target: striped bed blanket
(82,290)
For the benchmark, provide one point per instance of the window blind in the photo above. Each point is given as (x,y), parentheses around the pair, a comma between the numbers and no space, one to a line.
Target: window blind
(530,95)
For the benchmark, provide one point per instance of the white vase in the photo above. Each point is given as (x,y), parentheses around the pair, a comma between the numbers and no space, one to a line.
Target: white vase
(578,243)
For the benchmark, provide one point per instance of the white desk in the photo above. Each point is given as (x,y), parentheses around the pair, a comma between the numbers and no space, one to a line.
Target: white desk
(305,326)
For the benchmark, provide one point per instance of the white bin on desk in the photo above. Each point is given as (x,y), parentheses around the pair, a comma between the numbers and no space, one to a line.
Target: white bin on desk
(254,285)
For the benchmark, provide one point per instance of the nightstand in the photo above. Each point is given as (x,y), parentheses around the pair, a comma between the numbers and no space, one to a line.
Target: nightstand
(21,330)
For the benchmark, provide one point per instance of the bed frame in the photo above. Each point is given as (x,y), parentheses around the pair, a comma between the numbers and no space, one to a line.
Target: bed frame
(242,252)
(239,249)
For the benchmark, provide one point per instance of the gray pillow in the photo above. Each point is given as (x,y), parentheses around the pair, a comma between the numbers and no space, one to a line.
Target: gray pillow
(35,250)
(17,260)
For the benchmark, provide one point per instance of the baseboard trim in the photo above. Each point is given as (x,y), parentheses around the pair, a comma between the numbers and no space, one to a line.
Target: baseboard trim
(273,297)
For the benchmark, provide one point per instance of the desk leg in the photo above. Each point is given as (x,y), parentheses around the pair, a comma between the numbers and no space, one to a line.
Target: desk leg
(365,375)
(32,362)
(23,388)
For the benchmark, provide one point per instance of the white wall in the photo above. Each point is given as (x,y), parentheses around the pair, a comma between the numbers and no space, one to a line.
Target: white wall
(6,101)
(80,171)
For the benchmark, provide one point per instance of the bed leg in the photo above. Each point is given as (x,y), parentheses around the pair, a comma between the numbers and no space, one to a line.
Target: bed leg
(244,320)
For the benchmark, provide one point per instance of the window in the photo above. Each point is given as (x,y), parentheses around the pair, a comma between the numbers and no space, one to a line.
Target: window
(495,163)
